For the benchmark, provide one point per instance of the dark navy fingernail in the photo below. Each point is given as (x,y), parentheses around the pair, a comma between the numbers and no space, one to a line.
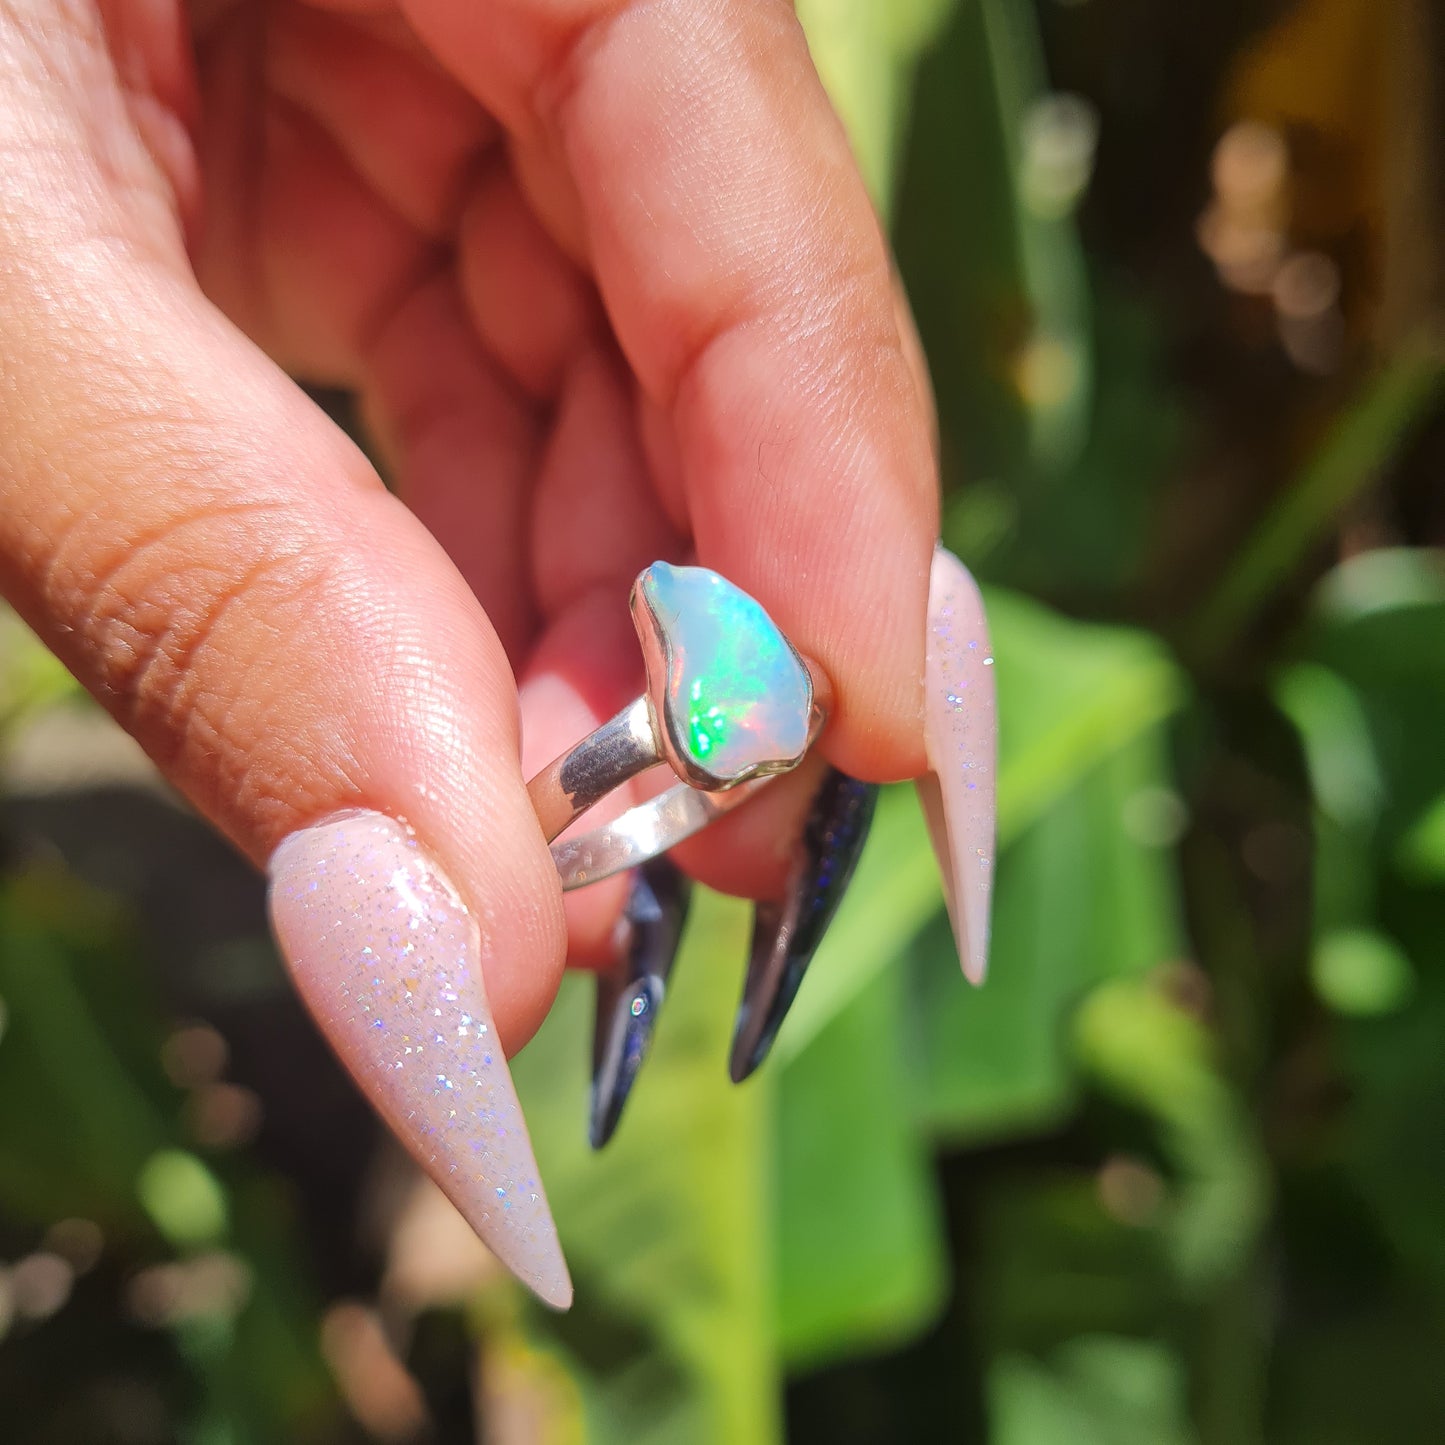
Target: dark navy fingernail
(630,994)
(786,935)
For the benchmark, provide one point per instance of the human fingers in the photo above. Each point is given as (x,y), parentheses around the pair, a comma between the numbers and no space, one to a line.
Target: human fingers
(748,283)
(224,571)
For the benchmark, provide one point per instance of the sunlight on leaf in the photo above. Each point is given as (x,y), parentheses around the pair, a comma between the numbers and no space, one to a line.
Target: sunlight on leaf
(671,1336)
(183,1198)
(861,1258)
(1361,972)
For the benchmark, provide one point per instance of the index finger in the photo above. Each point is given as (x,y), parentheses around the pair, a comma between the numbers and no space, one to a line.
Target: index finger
(748,282)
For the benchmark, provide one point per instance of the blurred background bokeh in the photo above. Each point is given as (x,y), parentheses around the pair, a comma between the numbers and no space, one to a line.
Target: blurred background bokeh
(1176,1175)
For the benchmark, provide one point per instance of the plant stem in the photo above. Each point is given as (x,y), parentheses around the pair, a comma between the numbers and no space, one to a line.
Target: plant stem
(1345,465)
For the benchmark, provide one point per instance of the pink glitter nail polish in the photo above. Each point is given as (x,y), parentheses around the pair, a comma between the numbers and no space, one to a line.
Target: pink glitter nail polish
(960,738)
(389,962)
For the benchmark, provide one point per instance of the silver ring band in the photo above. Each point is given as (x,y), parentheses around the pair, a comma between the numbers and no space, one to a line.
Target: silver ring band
(600,763)
(724,734)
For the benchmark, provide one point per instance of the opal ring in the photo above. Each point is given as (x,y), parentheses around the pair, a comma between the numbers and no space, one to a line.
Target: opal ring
(729,704)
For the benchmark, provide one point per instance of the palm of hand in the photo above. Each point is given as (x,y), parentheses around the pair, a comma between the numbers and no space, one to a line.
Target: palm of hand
(373,227)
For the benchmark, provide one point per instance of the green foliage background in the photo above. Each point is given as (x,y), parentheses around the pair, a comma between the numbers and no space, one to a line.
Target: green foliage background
(1177,1173)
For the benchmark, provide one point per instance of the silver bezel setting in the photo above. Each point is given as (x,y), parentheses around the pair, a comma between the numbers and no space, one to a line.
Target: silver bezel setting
(641,736)
(670,730)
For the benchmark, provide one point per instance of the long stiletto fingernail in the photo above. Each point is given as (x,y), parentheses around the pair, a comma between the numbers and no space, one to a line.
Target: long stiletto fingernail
(389,962)
(960,732)
(786,935)
(630,994)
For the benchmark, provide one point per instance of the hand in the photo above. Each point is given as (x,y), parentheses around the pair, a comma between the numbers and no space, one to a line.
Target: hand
(608,287)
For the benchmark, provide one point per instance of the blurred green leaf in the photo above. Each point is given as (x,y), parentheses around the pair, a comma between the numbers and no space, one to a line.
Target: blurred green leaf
(997,283)
(860,1251)
(1054,1263)
(671,1336)
(1382,580)
(1378,632)
(1335,731)
(1097,1390)
(1076,1303)
(1394,1134)
(1368,704)
(1421,854)
(1081,898)
(1052,366)
(1085,890)
(1056,413)
(1361,972)
(865,53)
(91,1127)
(32,678)
(1084,893)
(183,1198)
(1148,1052)
(1366,699)
(1070,697)
(79,1110)
(1347,785)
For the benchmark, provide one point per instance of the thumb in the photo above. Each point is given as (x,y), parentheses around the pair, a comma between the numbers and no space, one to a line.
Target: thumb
(224,571)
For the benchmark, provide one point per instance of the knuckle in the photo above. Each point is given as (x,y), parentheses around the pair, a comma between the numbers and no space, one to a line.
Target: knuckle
(173,628)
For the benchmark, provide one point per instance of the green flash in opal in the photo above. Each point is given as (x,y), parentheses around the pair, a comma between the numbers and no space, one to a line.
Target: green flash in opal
(737,699)
(706,726)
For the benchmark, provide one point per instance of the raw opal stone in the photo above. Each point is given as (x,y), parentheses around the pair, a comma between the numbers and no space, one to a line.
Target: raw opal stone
(738,697)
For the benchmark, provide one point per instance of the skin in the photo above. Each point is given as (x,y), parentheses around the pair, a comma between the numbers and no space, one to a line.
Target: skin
(608,287)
